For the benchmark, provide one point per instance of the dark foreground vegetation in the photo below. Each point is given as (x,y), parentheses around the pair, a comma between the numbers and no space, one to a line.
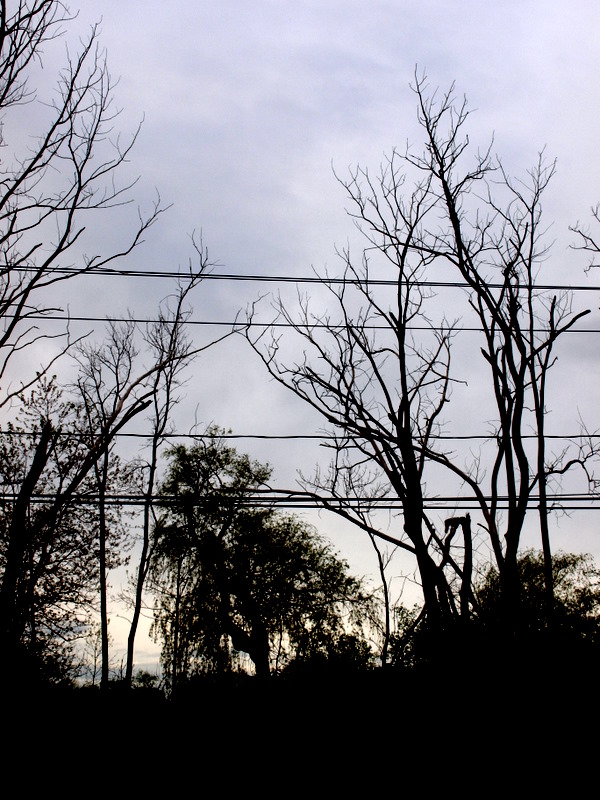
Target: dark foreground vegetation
(494,717)
(556,676)
(486,716)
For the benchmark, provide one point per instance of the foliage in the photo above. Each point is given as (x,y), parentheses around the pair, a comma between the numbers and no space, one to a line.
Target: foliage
(142,679)
(342,655)
(231,577)
(571,631)
(576,582)
(404,641)
(57,581)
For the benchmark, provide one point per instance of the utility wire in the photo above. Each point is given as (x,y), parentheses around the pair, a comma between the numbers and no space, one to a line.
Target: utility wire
(108,272)
(285,499)
(296,436)
(243,325)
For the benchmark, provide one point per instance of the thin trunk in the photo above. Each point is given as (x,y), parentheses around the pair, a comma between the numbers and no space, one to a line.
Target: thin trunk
(386,600)
(543,512)
(143,564)
(175,667)
(465,589)
(102,476)
(540,404)
(19,538)
(137,610)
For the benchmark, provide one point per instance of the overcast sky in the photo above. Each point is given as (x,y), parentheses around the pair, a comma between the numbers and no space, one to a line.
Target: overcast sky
(246,107)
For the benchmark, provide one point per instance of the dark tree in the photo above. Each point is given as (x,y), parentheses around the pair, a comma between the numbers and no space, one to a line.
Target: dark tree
(46,195)
(56,578)
(494,239)
(53,179)
(381,388)
(232,576)
(565,647)
(576,583)
(376,364)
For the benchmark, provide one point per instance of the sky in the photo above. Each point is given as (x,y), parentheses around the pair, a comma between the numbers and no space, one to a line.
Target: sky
(248,108)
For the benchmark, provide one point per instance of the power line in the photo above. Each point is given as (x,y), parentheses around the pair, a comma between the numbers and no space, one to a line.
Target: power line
(285,499)
(299,436)
(240,277)
(252,324)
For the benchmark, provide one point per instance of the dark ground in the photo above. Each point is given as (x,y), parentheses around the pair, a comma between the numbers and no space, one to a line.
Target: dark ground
(481,731)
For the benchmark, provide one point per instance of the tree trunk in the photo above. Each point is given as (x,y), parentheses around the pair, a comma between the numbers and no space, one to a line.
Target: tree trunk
(19,538)
(144,560)
(465,589)
(102,476)
(260,650)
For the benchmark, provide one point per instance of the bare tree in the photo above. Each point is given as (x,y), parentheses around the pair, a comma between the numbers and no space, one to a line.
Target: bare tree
(378,369)
(105,373)
(52,179)
(108,383)
(381,388)
(166,339)
(494,240)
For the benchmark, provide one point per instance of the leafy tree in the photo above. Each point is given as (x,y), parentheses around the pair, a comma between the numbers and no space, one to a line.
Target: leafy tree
(570,634)
(576,587)
(56,578)
(231,575)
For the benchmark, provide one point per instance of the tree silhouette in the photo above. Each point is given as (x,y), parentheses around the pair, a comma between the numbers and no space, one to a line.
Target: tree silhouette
(55,576)
(376,364)
(229,575)
(49,188)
